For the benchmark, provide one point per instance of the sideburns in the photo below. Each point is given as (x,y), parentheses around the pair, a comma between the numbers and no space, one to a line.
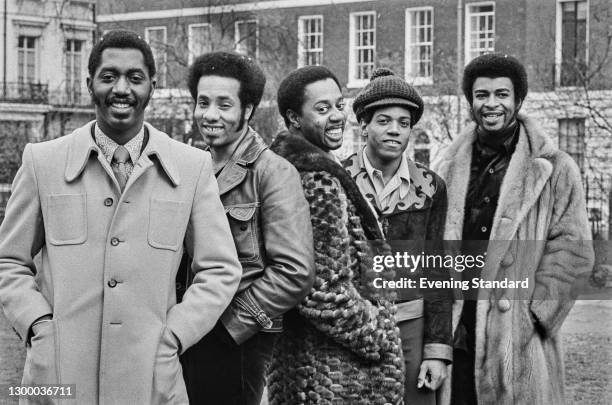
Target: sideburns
(242,119)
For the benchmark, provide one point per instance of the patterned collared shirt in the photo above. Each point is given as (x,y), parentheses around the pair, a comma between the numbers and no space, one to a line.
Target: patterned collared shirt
(108,146)
(394,191)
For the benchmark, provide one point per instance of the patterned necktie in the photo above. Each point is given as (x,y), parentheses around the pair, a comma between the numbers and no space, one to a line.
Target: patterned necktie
(120,158)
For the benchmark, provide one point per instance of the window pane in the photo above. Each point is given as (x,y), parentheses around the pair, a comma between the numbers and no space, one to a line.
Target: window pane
(364,46)
(310,41)
(572,138)
(480,21)
(246,41)
(420,44)
(573,42)
(26,59)
(157,40)
(199,40)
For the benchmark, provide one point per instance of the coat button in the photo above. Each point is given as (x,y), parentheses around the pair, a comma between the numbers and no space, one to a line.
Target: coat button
(112,283)
(114,241)
(504,305)
(508,259)
(244,227)
(108,202)
(487,200)
(491,171)
(483,229)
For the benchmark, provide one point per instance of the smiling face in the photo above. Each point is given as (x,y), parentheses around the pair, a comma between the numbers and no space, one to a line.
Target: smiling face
(387,134)
(121,89)
(322,117)
(494,106)
(219,113)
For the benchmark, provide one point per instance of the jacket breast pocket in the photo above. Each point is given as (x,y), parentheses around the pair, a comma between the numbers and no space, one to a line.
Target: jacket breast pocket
(66,222)
(165,220)
(243,223)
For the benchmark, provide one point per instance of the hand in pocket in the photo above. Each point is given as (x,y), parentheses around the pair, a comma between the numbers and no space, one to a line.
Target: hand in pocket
(168,383)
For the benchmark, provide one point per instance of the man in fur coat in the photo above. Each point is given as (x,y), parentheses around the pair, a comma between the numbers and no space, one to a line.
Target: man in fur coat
(341,345)
(509,184)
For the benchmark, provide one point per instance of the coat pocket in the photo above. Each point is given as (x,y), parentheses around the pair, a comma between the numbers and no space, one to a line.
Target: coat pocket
(168,383)
(165,219)
(66,222)
(243,223)
(41,356)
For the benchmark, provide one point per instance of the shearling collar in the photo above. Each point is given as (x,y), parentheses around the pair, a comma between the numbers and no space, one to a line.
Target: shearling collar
(304,155)
(158,146)
(307,157)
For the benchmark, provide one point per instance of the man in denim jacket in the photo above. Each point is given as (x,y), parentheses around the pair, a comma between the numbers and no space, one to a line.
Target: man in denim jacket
(270,223)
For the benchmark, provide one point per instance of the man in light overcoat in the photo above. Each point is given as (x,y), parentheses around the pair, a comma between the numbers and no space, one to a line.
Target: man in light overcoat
(111,207)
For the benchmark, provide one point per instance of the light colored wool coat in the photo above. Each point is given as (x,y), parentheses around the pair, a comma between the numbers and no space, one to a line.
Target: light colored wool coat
(109,262)
(518,359)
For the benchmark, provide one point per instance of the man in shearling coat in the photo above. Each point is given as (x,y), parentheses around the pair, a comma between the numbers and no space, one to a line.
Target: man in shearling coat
(110,208)
(508,184)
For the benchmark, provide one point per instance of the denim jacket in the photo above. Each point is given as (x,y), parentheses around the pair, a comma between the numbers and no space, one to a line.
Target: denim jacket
(270,222)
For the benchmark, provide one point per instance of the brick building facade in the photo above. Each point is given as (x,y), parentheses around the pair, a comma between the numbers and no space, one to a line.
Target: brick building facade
(564,44)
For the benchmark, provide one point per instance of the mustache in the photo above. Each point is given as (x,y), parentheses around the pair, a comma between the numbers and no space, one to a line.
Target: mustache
(126,100)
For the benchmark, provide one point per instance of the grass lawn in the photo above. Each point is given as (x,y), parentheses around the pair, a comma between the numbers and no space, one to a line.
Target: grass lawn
(587,336)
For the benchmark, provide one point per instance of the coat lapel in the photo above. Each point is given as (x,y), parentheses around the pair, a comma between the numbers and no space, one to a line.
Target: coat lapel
(527,174)
(158,145)
(454,168)
(80,149)
(231,175)
(525,178)
(235,170)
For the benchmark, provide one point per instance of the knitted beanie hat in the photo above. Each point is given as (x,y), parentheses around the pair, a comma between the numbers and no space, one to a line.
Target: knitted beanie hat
(387,89)
(494,65)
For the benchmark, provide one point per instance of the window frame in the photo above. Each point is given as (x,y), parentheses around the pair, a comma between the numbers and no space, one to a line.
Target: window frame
(565,136)
(302,54)
(22,71)
(74,76)
(468,28)
(190,38)
(353,80)
(162,68)
(559,42)
(417,80)
(238,39)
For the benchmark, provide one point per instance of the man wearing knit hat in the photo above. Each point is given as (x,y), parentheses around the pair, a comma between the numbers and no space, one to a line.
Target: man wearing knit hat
(508,183)
(410,201)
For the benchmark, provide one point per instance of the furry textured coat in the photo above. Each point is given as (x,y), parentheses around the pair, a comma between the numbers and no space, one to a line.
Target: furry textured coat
(341,345)
(518,354)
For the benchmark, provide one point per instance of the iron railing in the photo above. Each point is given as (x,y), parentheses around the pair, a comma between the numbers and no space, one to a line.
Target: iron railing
(70,98)
(18,92)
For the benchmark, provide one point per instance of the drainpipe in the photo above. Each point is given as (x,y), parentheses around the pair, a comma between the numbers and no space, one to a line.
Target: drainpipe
(93,19)
(4,44)
(459,61)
